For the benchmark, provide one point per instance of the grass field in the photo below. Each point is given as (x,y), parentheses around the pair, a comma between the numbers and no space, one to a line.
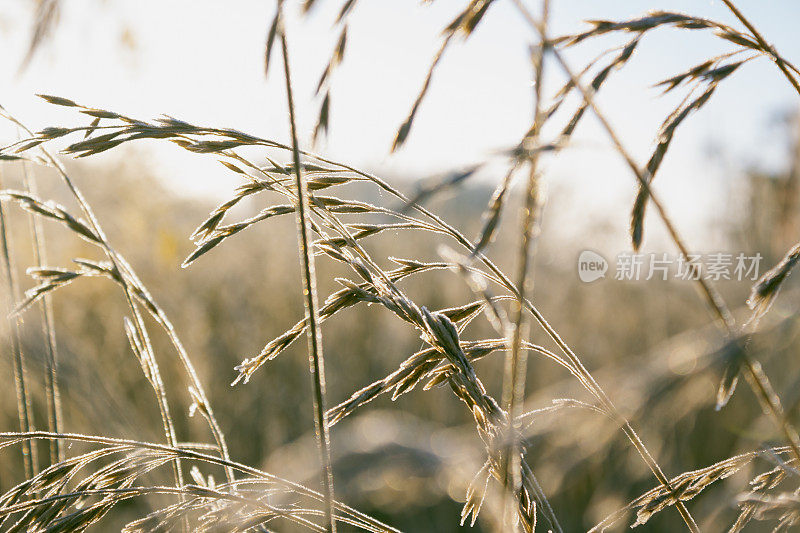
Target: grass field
(332,349)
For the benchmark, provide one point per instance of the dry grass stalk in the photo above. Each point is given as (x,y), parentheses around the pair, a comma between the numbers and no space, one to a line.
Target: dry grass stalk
(405,128)
(710,73)
(54,416)
(316,360)
(491,216)
(447,358)
(783,508)
(132,286)
(24,404)
(688,485)
(440,184)
(49,496)
(760,486)
(439,331)
(92,232)
(766,289)
(464,24)
(181,132)
(325,79)
(516,355)
(660,19)
(587,96)
(756,376)
(766,47)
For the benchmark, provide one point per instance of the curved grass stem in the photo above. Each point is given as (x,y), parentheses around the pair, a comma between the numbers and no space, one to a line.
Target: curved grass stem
(757,378)
(764,44)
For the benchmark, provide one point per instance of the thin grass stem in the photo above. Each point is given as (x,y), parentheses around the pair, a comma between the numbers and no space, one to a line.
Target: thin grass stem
(54,416)
(24,404)
(517,355)
(314,334)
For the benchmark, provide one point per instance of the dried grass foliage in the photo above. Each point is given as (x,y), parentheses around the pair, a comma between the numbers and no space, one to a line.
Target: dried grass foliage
(76,491)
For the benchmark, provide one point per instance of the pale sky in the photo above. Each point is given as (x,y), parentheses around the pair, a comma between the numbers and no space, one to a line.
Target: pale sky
(202,61)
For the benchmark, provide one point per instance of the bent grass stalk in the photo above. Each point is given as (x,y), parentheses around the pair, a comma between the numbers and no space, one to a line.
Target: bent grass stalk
(587,96)
(505,282)
(761,41)
(449,358)
(185,453)
(757,377)
(127,276)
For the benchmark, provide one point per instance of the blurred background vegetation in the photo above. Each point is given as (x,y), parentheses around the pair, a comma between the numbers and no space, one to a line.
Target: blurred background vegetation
(408,462)
(650,344)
